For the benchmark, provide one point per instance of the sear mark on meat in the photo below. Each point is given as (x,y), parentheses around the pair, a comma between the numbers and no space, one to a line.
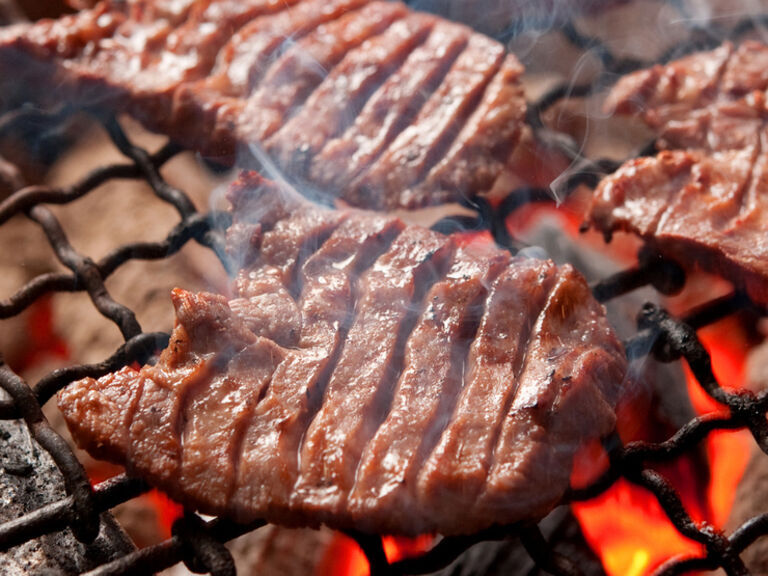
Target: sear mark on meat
(427,111)
(340,96)
(269,457)
(429,384)
(305,65)
(704,198)
(413,382)
(389,111)
(391,295)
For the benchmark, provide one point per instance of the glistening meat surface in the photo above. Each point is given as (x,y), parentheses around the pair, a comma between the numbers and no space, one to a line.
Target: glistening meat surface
(369,101)
(704,198)
(366,374)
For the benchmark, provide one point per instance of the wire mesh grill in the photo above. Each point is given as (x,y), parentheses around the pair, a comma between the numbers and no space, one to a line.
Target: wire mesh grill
(198,543)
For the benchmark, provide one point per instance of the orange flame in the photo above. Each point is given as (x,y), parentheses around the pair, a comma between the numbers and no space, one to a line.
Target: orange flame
(166,509)
(627,527)
(629,530)
(727,451)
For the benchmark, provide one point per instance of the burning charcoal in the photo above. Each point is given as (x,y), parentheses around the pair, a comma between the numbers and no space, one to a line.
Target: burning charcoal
(280,551)
(432,115)
(22,333)
(332,387)
(562,532)
(750,501)
(28,480)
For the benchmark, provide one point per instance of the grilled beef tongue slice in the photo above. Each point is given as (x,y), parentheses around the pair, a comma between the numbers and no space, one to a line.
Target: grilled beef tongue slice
(428,111)
(703,199)
(365,374)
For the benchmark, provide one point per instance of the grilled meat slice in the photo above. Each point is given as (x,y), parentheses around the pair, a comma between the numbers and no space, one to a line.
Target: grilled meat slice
(704,199)
(428,111)
(342,94)
(426,392)
(291,80)
(362,380)
(457,469)
(710,100)
(389,110)
(695,207)
(268,456)
(421,144)
(415,382)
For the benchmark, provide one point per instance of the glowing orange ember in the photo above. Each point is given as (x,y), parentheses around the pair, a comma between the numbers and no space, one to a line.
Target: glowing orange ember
(44,342)
(474,237)
(168,511)
(344,557)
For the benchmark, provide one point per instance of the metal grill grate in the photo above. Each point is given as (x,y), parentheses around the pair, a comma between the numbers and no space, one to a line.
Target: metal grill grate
(199,544)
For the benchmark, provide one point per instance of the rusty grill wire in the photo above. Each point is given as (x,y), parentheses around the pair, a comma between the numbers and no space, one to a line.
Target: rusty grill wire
(199,544)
